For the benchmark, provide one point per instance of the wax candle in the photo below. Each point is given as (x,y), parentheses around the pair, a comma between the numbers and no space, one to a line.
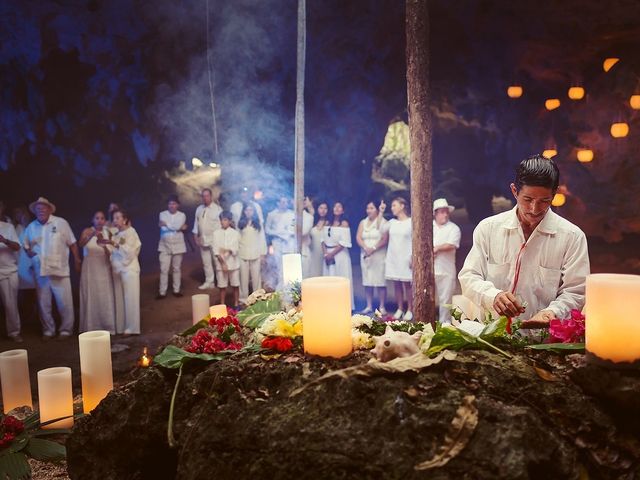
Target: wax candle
(326,306)
(199,307)
(55,396)
(291,268)
(612,326)
(95,367)
(218,311)
(14,375)
(145,360)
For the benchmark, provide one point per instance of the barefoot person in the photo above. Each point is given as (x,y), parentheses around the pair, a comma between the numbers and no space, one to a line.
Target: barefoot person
(528,254)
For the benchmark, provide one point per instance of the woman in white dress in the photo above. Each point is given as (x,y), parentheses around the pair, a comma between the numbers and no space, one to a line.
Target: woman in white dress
(307,226)
(336,243)
(398,264)
(372,238)
(125,248)
(252,250)
(97,301)
(316,253)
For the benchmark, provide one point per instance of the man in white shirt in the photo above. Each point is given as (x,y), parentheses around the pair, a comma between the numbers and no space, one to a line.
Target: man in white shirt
(245,199)
(281,226)
(47,241)
(446,240)
(9,282)
(171,247)
(528,254)
(207,221)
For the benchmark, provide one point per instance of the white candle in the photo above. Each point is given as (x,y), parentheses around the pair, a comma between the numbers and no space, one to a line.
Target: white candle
(612,326)
(326,325)
(95,367)
(291,268)
(55,396)
(14,375)
(199,307)
(218,311)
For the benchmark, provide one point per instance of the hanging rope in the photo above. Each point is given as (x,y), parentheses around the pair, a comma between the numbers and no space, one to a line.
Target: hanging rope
(210,75)
(299,120)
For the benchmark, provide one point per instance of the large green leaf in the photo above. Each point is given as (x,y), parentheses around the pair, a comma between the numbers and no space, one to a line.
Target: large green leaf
(14,466)
(45,450)
(495,329)
(255,315)
(558,347)
(174,357)
(447,337)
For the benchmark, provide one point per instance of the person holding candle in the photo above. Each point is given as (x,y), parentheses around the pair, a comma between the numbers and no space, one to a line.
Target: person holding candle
(316,254)
(373,238)
(226,243)
(528,255)
(171,246)
(398,264)
(47,241)
(97,297)
(207,221)
(251,251)
(446,240)
(336,243)
(9,282)
(281,226)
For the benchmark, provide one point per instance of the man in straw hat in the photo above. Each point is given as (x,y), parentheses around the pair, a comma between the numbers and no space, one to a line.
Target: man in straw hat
(446,240)
(47,241)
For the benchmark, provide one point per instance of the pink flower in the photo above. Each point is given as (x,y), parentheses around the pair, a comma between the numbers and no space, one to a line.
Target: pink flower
(569,330)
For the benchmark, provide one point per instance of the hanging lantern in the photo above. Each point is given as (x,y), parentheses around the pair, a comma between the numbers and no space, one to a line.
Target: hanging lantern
(585,155)
(552,104)
(609,63)
(552,152)
(619,130)
(634,101)
(576,93)
(514,91)
(558,200)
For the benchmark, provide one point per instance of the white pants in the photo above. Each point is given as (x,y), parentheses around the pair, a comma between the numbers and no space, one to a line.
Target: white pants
(60,288)
(207,262)
(9,300)
(249,272)
(445,285)
(175,260)
(127,286)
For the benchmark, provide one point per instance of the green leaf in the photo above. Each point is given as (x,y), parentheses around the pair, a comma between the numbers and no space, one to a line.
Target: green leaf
(447,337)
(558,347)
(14,467)
(494,329)
(174,357)
(45,450)
(255,315)
(194,328)
(32,421)
(51,431)
(19,443)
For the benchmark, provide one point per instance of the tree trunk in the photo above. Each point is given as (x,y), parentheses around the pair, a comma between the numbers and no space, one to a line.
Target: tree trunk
(299,132)
(417,15)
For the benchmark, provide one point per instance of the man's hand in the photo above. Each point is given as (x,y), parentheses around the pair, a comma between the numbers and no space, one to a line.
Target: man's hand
(507,304)
(539,320)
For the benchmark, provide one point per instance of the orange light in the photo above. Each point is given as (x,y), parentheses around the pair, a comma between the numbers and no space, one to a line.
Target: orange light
(558,200)
(634,101)
(257,195)
(576,93)
(619,130)
(609,63)
(585,155)
(514,91)
(550,153)
(145,360)
(552,104)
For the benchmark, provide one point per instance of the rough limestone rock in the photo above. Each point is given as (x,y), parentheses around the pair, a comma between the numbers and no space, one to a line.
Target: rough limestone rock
(237,419)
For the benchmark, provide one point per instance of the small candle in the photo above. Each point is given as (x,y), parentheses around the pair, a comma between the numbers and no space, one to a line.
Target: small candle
(145,360)
(291,268)
(218,311)
(199,307)
(55,396)
(326,306)
(14,375)
(95,367)
(612,330)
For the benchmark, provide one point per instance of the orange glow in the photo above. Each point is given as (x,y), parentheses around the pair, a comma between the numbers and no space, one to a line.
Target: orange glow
(145,360)
(634,101)
(558,200)
(609,63)
(514,91)
(550,153)
(585,155)
(552,104)
(619,130)
(257,195)
(576,93)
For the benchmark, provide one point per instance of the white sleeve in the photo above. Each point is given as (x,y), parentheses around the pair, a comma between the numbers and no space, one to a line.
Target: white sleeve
(131,246)
(454,237)
(575,268)
(345,236)
(68,233)
(194,230)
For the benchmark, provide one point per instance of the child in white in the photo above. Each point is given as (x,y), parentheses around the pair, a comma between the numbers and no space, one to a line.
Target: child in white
(226,243)
(446,240)
(253,248)
(171,247)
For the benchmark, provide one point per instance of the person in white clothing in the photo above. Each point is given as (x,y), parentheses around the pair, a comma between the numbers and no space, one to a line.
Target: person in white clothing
(307,225)
(171,247)
(251,252)
(9,245)
(238,207)
(226,242)
(373,238)
(316,254)
(47,241)
(281,226)
(528,254)
(398,264)
(446,240)
(207,221)
(336,243)
(27,294)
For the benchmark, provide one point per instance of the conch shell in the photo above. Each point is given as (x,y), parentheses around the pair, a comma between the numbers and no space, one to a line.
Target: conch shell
(393,344)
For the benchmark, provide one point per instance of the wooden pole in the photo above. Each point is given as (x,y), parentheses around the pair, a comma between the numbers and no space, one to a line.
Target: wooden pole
(418,96)
(299,131)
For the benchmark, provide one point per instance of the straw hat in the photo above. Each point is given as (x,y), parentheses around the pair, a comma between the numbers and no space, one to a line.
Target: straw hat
(442,203)
(43,201)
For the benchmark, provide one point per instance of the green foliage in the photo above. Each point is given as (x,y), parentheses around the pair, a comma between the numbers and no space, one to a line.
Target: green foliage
(14,466)
(193,329)
(452,338)
(45,450)
(559,347)
(377,328)
(255,315)
(175,357)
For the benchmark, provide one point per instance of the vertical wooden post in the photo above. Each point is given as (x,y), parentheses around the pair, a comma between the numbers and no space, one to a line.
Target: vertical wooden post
(299,132)
(418,96)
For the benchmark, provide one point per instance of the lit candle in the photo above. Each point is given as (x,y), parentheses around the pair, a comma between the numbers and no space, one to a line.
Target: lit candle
(326,328)
(218,311)
(291,268)
(55,396)
(14,374)
(612,327)
(145,360)
(95,367)
(199,307)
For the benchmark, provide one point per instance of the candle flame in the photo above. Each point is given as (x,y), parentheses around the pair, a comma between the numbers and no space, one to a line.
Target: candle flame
(145,360)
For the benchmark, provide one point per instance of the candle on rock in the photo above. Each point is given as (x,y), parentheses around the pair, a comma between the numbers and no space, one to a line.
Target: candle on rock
(55,396)
(14,375)
(612,330)
(291,268)
(218,311)
(326,326)
(145,360)
(199,307)
(95,367)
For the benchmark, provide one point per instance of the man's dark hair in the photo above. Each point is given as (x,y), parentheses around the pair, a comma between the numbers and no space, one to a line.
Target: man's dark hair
(537,171)
(226,214)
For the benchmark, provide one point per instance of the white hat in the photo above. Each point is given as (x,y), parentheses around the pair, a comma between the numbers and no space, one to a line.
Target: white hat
(442,203)
(43,201)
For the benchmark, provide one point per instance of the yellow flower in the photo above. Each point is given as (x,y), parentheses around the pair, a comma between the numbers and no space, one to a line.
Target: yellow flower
(297,328)
(361,340)
(284,329)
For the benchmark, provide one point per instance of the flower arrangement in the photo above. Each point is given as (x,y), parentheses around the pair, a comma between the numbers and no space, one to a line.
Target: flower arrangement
(219,335)
(281,331)
(568,330)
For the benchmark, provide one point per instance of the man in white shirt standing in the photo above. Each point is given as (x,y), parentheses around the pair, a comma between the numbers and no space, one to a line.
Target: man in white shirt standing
(281,226)
(207,221)
(9,282)
(245,199)
(446,240)
(47,241)
(528,254)
(171,247)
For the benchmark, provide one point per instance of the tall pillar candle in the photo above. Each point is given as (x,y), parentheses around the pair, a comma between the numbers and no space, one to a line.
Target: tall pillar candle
(55,396)
(291,268)
(326,325)
(218,311)
(612,327)
(95,367)
(199,307)
(14,375)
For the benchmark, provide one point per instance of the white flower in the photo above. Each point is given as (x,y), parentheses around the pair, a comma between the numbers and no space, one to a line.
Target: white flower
(359,320)
(361,340)
(425,339)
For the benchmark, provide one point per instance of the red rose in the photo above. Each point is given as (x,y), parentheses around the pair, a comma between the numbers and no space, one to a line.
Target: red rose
(279,344)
